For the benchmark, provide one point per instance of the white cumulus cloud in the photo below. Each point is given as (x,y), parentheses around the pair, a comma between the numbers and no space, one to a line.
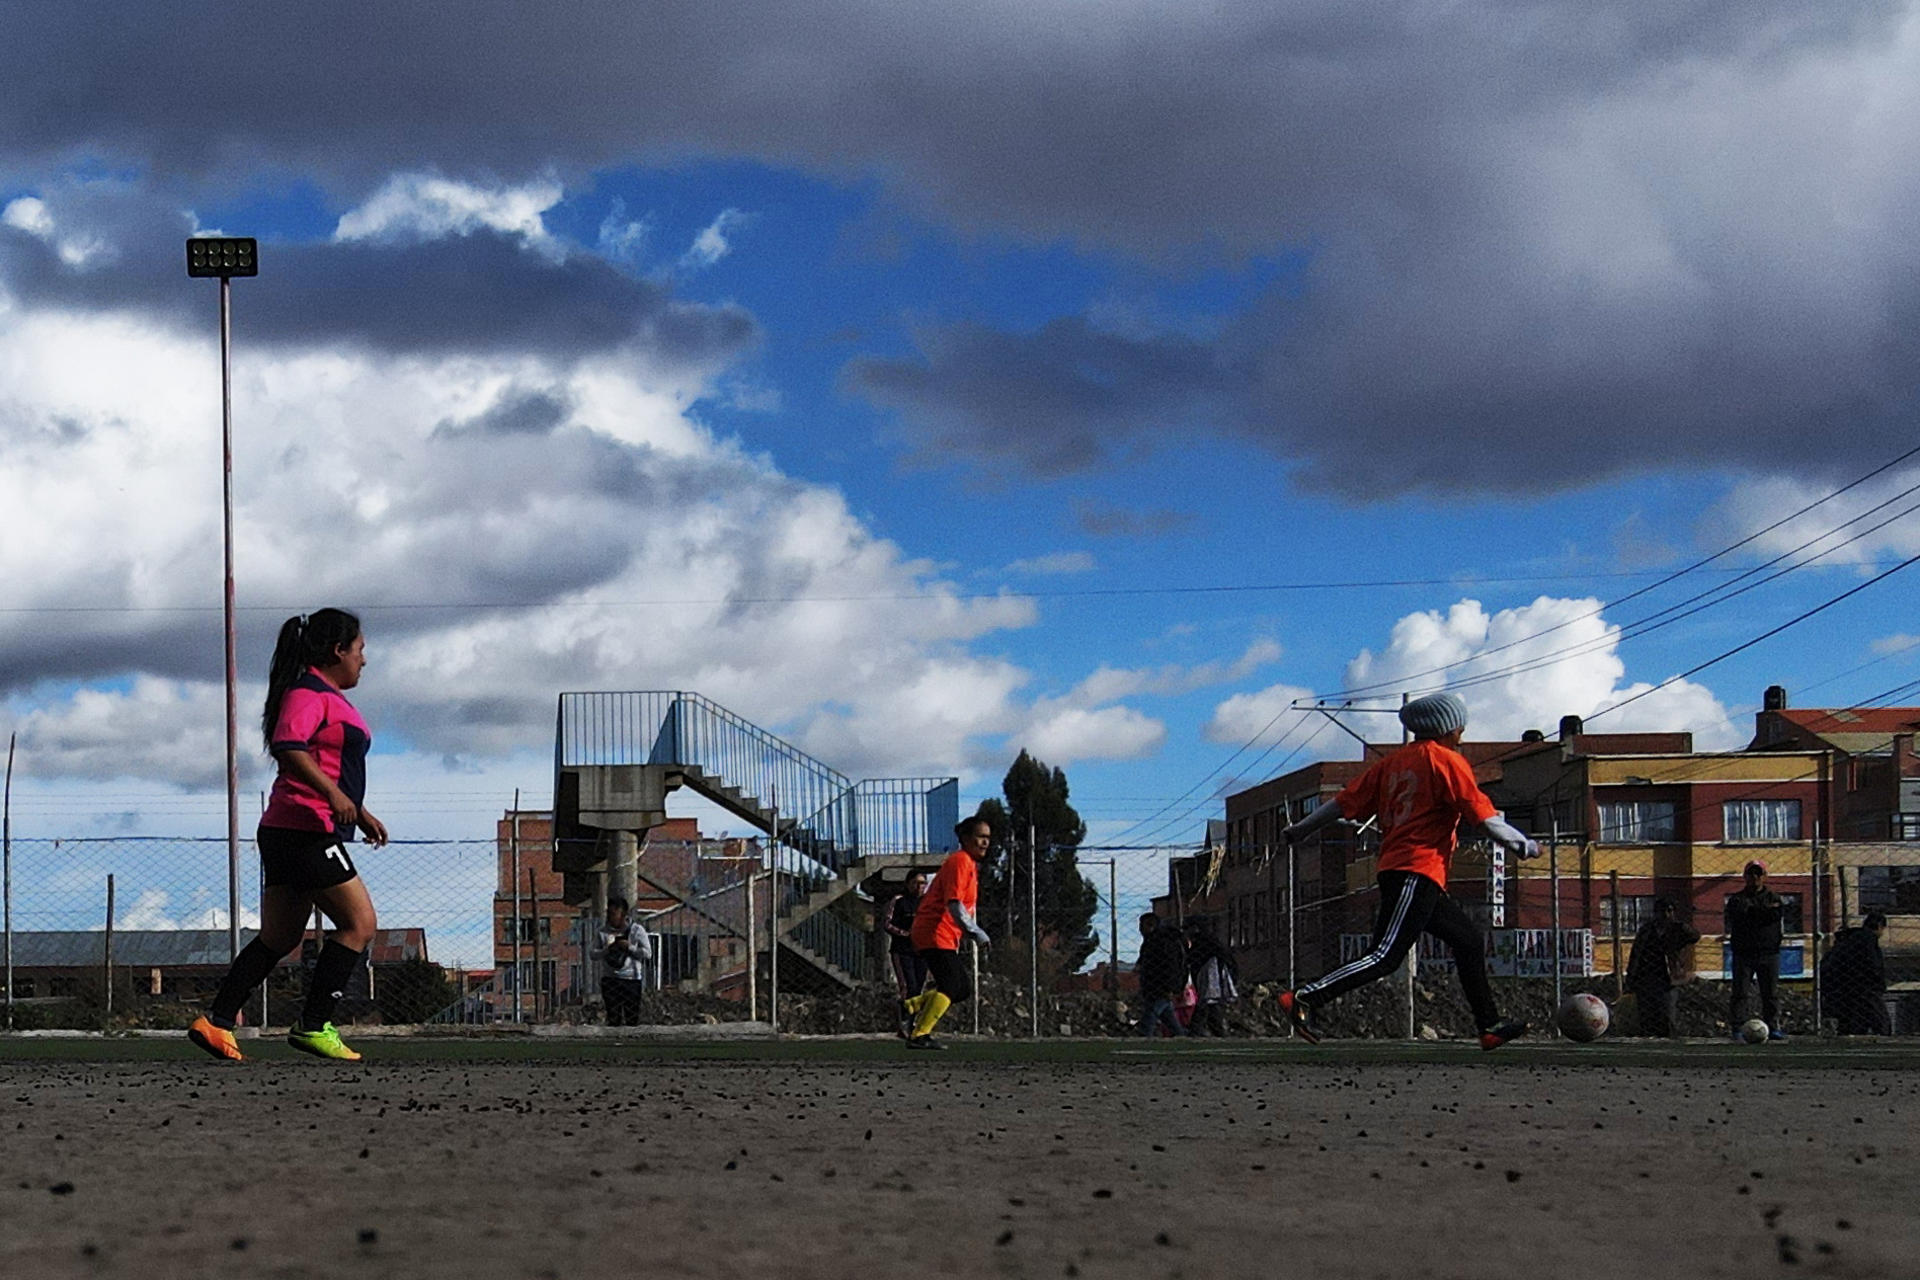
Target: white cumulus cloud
(714,240)
(1524,668)
(423,206)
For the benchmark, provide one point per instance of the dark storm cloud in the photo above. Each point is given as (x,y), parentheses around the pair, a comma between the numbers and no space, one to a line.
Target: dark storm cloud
(1056,401)
(481,292)
(1548,241)
(519,413)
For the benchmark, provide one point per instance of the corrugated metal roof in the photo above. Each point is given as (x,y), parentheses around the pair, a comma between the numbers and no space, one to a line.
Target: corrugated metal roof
(153,948)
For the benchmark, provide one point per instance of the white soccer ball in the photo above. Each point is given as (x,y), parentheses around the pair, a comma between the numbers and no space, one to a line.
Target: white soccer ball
(1583,1017)
(1754,1031)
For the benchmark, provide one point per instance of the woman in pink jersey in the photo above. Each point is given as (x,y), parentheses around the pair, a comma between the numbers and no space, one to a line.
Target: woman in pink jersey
(320,743)
(1421,794)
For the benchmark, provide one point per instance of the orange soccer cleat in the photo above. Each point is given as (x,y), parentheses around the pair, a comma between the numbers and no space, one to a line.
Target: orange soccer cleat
(217,1041)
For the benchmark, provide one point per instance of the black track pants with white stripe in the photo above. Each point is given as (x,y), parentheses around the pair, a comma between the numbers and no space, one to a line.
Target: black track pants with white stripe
(1411,904)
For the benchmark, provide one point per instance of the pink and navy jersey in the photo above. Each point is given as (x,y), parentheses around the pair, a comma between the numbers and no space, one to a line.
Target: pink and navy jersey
(316,718)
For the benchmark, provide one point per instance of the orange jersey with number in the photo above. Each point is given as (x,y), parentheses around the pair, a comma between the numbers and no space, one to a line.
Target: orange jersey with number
(1421,793)
(958,880)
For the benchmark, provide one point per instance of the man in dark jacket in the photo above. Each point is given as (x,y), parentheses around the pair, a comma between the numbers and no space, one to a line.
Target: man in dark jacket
(1853,979)
(1162,967)
(1753,935)
(1650,968)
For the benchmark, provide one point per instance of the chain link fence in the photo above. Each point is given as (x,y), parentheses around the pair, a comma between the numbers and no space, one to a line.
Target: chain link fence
(487,932)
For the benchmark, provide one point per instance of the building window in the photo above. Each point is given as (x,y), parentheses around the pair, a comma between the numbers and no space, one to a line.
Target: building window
(1762,820)
(1890,889)
(1906,826)
(1637,822)
(1634,912)
(1790,913)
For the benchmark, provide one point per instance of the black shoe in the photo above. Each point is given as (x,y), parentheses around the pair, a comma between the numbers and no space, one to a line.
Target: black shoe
(1299,1016)
(904,1018)
(1501,1032)
(924,1042)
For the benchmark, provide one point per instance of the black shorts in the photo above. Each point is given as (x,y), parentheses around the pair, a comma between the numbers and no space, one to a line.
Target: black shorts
(303,860)
(949,973)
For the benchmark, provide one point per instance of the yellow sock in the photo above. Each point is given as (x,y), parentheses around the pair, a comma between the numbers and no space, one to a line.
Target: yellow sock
(913,1003)
(933,1007)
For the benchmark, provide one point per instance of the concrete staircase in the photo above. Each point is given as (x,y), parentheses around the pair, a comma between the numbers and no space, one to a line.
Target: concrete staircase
(618,755)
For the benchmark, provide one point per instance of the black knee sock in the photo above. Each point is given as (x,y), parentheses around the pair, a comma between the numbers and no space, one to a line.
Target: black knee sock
(249,969)
(330,974)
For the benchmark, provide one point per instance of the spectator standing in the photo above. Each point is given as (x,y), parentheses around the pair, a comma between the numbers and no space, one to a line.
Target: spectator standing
(625,948)
(1853,979)
(1753,936)
(1162,967)
(1656,949)
(896,919)
(1216,977)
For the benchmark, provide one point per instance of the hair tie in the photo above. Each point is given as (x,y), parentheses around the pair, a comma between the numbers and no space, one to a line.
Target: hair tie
(303,622)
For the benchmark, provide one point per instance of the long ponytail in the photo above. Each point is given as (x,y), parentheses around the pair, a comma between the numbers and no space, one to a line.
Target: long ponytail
(309,640)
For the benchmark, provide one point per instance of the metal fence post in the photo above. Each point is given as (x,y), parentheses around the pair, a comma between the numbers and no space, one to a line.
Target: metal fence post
(1553,888)
(6,853)
(1613,927)
(519,976)
(106,956)
(1033,929)
(974,951)
(773,925)
(539,982)
(1817,874)
(1293,920)
(753,942)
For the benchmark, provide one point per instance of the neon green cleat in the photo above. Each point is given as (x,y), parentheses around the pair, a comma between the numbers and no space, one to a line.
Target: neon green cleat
(324,1043)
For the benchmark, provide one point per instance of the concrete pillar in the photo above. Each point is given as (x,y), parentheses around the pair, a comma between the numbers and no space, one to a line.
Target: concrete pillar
(623,866)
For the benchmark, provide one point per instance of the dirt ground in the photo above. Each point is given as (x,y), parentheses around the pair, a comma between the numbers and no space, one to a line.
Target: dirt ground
(1157,1161)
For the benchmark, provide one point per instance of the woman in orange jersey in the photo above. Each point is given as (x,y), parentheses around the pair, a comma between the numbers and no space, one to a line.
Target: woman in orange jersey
(945,916)
(1421,794)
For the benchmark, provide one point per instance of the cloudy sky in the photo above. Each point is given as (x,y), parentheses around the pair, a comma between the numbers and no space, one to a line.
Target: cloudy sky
(1092,378)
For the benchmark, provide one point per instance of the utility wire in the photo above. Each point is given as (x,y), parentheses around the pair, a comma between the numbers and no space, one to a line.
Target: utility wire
(1401,681)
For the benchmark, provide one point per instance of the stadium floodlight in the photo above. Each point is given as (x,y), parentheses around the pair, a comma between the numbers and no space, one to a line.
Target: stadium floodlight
(226,257)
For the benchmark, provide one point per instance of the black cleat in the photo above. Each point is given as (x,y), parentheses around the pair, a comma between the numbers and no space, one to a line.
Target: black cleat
(924,1042)
(1299,1016)
(1501,1032)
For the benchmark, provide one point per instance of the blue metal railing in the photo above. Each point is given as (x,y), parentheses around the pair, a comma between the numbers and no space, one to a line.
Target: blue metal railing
(833,938)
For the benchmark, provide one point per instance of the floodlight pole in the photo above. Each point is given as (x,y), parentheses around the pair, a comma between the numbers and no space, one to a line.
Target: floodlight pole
(226,521)
(225,257)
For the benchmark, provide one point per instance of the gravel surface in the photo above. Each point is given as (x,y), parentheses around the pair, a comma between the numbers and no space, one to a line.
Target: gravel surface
(1170,1164)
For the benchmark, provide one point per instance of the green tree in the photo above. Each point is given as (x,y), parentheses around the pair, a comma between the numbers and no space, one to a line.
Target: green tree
(1036,826)
(412,991)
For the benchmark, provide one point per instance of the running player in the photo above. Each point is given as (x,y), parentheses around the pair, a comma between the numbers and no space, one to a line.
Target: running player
(320,744)
(1421,793)
(945,915)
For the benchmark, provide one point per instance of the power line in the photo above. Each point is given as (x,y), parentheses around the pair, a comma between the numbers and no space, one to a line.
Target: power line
(1768,634)
(1676,575)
